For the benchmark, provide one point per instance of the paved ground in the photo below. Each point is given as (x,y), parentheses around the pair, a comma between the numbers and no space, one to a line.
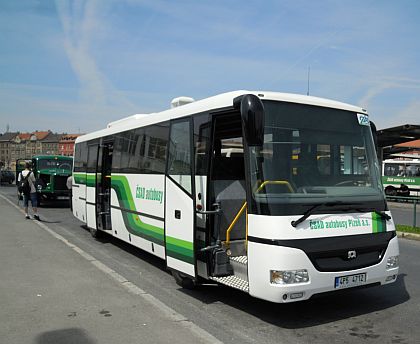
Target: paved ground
(386,314)
(403,213)
(49,293)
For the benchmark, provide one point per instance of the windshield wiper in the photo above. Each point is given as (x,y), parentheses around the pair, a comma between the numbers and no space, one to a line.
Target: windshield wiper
(380,213)
(310,211)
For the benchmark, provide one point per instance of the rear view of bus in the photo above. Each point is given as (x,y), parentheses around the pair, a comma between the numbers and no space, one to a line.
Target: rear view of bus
(317,217)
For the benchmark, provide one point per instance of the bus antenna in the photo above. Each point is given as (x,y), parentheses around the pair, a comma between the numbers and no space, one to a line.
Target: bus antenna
(309,73)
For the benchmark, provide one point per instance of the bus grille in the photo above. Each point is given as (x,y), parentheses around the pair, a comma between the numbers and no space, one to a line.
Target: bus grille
(369,250)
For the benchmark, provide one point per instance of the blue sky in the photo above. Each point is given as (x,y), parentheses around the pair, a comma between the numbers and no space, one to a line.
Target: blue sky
(74,66)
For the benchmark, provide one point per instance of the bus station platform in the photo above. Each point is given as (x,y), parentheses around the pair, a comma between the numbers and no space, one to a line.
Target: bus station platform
(51,293)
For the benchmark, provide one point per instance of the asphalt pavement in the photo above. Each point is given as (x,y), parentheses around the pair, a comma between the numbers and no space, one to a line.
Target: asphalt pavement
(377,315)
(53,292)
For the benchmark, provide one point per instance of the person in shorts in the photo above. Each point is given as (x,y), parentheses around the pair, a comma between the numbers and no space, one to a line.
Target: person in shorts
(32,196)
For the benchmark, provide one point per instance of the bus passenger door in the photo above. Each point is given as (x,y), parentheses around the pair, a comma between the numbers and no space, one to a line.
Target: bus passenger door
(103,186)
(91,184)
(179,207)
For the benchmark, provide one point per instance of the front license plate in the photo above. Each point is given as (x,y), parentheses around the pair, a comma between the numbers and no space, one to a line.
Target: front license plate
(350,281)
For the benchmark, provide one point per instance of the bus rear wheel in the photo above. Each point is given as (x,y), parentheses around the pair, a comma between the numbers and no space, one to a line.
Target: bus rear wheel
(183,280)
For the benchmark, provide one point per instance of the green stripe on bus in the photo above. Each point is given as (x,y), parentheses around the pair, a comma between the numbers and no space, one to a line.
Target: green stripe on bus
(132,221)
(91,180)
(79,178)
(180,249)
(378,223)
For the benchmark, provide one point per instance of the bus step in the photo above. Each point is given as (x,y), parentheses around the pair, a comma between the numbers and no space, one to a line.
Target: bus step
(233,281)
(240,266)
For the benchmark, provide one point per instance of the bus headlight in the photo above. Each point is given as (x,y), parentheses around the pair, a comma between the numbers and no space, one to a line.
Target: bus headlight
(392,262)
(289,276)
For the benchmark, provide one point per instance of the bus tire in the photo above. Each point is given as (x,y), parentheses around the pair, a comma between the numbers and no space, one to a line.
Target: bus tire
(95,233)
(183,280)
(390,191)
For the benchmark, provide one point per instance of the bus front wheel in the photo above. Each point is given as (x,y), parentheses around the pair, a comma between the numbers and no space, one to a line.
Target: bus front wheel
(95,233)
(183,280)
(390,191)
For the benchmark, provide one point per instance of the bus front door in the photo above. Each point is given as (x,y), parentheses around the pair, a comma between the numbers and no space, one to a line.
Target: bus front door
(103,186)
(179,203)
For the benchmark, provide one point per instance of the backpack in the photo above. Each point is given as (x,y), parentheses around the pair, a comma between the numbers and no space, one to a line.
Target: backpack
(23,186)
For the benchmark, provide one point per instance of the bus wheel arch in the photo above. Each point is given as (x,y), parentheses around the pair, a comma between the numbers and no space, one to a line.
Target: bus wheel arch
(183,280)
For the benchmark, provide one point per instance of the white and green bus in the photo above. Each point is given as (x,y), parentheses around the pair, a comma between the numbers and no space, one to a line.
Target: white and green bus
(401,177)
(275,194)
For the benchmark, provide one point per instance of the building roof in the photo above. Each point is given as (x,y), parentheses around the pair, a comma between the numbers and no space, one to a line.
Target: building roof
(8,136)
(52,138)
(40,135)
(395,140)
(396,135)
(25,136)
(410,144)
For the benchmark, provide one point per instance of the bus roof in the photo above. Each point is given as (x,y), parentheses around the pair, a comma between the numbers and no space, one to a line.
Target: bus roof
(216,102)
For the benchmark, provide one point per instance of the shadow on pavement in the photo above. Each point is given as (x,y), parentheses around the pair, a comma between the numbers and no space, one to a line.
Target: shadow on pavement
(57,204)
(320,309)
(64,336)
(104,238)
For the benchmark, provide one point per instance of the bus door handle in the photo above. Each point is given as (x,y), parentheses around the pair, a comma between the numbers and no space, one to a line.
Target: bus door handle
(217,210)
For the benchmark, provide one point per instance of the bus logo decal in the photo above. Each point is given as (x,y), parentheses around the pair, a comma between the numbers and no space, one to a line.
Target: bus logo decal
(351,254)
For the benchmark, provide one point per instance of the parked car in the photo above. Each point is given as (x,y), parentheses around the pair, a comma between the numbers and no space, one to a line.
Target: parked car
(7,176)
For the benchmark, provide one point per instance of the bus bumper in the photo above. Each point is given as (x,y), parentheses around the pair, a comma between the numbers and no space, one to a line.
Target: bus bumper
(264,258)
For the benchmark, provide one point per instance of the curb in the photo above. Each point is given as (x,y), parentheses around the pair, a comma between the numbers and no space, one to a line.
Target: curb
(407,235)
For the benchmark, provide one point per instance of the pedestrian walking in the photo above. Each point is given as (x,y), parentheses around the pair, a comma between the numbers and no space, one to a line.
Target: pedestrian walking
(26,187)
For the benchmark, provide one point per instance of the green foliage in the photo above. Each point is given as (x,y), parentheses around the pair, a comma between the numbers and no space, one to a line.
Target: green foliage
(408,229)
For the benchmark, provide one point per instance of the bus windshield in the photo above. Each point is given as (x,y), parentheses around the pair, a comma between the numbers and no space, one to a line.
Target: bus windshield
(48,164)
(313,155)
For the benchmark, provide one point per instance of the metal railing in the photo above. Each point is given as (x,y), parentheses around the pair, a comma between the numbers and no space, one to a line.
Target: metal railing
(413,200)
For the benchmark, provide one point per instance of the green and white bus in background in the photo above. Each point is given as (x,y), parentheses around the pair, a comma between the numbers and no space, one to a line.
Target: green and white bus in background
(401,177)
(51,173)
(278,195)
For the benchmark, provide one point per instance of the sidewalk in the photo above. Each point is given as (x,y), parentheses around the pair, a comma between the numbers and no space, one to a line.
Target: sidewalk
(50,292)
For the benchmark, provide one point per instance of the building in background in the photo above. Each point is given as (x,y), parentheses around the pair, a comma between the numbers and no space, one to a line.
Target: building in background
(50,144)
(66,144)
(5,148)
(33,144)
(16,145)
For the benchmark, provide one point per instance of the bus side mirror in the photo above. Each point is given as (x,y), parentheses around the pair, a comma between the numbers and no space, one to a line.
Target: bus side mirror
(252,114)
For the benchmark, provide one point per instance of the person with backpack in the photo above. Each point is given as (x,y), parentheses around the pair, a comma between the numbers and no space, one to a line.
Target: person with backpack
(26,187)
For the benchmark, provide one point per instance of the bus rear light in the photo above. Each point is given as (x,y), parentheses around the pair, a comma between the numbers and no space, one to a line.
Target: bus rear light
(289,276)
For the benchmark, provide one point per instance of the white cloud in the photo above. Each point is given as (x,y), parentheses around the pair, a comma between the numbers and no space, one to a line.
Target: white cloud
(80,25)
